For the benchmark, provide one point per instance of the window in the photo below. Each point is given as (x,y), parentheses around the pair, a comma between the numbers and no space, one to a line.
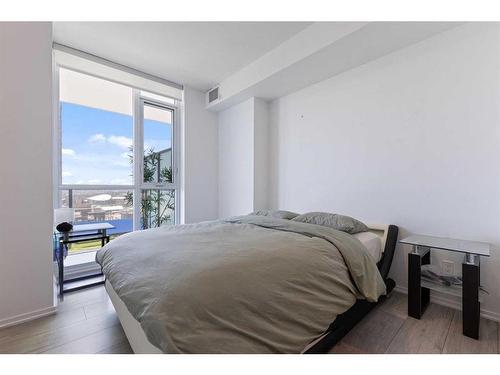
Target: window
(158,134)
(97,129)
(117,153)
(158,176)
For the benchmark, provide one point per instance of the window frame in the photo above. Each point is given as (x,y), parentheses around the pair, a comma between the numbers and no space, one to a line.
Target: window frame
(138,142)
(138,102)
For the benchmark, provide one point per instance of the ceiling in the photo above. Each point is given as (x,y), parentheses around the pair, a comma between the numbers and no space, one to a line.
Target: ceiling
(197,54)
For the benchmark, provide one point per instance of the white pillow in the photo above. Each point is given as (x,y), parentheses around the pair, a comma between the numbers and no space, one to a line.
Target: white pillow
(372,243)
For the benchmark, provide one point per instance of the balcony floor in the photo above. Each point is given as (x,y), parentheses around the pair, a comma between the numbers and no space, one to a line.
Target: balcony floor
(80,258)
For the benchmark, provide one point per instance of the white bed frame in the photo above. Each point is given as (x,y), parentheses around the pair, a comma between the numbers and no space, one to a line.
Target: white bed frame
(133,330)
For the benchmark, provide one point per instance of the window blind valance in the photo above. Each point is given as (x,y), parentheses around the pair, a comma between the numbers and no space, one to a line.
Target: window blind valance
(90,64)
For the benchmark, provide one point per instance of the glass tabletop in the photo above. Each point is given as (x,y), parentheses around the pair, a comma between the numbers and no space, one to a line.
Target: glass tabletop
(87,227)
(451,244)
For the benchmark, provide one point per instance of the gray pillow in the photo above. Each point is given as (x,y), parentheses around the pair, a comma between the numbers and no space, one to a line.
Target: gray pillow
(339,222)
(278,214)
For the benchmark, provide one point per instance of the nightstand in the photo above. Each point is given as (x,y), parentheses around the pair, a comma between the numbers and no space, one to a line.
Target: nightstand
(419,290)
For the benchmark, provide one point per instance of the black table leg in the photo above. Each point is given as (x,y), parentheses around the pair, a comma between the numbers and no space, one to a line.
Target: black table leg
(470,296)
(418,296)
(60,265)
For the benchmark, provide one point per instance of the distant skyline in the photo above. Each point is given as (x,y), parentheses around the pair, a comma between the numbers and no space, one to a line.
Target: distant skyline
(96,144)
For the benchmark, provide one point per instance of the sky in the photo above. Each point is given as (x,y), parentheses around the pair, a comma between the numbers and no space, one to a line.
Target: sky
(95,144)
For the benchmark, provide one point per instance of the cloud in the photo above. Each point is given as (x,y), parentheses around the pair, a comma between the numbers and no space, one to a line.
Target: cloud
(120,141)
(97,138)
(117,140)
(68,152)
(67,174)
(125,155)
(93,182)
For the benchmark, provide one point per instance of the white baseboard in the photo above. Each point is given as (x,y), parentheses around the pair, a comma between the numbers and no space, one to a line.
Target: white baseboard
(444,300)
(22,318)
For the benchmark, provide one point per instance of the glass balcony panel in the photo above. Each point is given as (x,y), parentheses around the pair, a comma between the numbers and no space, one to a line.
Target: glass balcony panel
(157,208)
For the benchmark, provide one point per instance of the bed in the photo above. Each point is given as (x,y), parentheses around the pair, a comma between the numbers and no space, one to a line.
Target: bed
(278,314)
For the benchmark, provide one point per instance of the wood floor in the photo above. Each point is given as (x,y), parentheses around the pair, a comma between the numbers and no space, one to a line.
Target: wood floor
(87,323)
(388,329)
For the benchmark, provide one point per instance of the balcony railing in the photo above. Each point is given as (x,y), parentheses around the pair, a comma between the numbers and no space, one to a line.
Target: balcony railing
(115,207)
(93,206)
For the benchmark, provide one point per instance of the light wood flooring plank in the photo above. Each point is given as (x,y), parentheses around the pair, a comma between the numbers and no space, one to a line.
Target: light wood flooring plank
(426,335)
(42,325)
(120,348)
(44,341)
(374,333)
(396,304)
(457,343)
(343,348)
(92,343)
(96,309)
(83,297)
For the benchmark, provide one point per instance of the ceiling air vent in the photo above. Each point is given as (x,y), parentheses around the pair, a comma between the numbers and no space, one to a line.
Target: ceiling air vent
(213,95)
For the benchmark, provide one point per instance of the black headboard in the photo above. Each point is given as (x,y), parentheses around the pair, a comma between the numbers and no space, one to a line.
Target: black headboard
(384,265)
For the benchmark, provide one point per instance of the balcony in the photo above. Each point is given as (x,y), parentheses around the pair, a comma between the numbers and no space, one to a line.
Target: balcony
(94,206)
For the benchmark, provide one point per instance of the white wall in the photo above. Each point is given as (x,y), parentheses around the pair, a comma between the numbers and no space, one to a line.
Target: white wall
(243,158)
(200,160)
(261,154)
(26,278)
(236,151)
(411,139)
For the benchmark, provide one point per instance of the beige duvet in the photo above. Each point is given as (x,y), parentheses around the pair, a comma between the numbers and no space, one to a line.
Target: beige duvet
(248,285)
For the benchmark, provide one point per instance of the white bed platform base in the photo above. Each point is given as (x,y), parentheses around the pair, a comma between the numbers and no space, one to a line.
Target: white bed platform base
(136,336)
(133,330)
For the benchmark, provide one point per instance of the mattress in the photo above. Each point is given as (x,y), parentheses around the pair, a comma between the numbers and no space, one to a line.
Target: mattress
(372,242)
